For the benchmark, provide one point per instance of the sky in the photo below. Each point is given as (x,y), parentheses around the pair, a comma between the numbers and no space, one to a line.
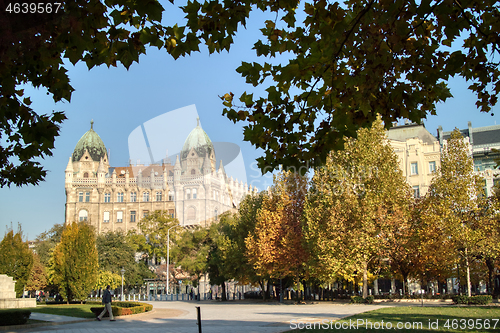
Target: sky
(121,101)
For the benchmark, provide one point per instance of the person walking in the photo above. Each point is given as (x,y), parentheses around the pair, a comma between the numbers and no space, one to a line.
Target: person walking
(106,300)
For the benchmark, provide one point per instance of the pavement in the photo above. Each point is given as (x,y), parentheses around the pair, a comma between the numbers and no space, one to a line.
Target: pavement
(180,317)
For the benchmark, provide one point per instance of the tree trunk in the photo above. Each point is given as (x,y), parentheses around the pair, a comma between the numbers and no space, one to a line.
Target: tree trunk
(262,287)
(365,279)
(468,273)
(224,298)
(375,287)
(406,288)
(490,263)
(298,286)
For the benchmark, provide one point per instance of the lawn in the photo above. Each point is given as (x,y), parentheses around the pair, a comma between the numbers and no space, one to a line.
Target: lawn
(412,319)
(72,310)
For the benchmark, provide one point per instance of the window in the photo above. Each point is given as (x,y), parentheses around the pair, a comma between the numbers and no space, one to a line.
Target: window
(170,196)
(106,217)
(80,197)
(133,196)
(83,215)
(87,196)
(414,168)
(171,213)
(119,216)
(119,197)
(432,167)
(158,196)
(416,192)
(193,172)
(216,214)
(191,213)
(132,216)
(188,194)
(107,197)
(86,175)
(145,196)
(194,193)
(145,213)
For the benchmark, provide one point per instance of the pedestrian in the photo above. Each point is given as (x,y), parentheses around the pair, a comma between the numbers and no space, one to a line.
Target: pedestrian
(106,300)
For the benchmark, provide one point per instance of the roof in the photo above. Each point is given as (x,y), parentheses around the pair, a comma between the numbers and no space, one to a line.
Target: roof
(405,132)
(91,142)
(198,140)
(488,135)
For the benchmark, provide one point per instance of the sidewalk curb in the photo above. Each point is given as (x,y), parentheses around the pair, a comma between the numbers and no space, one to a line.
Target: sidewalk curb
(16,328)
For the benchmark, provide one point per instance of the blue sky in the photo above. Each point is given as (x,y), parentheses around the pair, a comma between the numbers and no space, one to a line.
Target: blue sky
(119,101)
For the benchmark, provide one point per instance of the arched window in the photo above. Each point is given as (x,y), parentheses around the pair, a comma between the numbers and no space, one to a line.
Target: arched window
(86,175)
(83,215)
(170,196)
(145,196)
(193,172)
(191,213)
(194,193)
(188,194)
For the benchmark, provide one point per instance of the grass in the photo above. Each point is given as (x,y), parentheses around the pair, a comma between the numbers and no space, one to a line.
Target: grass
(417,319)
(71,310)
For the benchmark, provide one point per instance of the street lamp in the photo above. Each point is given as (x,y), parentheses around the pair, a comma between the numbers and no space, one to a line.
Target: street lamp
(123,272)
(168,256)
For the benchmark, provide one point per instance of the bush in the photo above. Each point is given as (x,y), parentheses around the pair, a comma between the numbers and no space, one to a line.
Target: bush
(361,300)
(64,302)
(123,308)
(14,317)
(473,300)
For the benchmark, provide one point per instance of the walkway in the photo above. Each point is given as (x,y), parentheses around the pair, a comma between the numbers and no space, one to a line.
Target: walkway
(180,317)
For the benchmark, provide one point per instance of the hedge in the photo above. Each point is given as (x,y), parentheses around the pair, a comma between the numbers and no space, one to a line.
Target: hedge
(473,300)
(14,317)
(123,308)
(361,300)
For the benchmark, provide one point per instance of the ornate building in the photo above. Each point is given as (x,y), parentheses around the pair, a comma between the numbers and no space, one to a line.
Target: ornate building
(114,198)
(419,155)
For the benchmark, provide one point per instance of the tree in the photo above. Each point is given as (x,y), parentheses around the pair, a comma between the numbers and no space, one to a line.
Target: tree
(191,252)
(353,204)
(116,252)
(347,63)
(154,228)
(219,266)
(352,61)
(457,201)
(105,278)
(276,249)
(16,258)
(75,261)
(38,277)
(46,241)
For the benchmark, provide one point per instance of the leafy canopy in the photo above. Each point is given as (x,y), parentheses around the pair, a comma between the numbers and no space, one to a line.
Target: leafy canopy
(352,61)
(16,259)
(348,62)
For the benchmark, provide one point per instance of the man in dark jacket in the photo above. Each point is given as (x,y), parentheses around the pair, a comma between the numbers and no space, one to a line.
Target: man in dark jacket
(106,300)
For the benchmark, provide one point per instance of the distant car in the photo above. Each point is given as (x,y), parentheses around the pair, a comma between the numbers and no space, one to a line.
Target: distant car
(253,294)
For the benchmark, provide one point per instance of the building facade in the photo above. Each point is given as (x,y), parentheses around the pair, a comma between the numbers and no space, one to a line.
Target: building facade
(483,141)
(192,190)
(419,155)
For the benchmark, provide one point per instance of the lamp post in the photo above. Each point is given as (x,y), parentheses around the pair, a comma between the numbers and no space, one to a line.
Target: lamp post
(168,257)
(123,272)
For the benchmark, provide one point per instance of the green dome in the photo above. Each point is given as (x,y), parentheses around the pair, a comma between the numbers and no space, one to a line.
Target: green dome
(92,142)
(198,140)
